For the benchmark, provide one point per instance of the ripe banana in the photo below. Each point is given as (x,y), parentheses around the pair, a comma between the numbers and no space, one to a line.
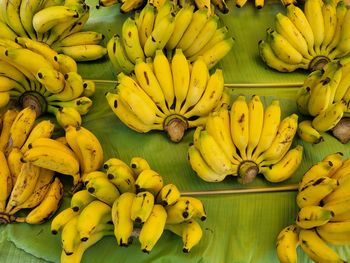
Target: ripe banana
(168,195)
(141,207)
(6,182)
(61,219)
(80,200)
(179,212)
(308,133)
(287,243)
(103,189)
(149,180)
(335,232)
(313,216)
(139,164)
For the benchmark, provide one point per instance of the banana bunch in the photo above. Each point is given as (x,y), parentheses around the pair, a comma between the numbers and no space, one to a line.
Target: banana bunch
(325,96)
(126,201)
(309,38)
(167,95)
(33,74)
(56,23)
(197,33)
(324,215)
(245,141)
(132,5)
(31,190)
(260,3)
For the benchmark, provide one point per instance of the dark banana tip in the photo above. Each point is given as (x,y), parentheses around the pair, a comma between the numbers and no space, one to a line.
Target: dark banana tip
(164,203)
(54,232)
(91,190)
(84,239)
(145,251)
(259,7)
(40,75)
(105,166)
(138,220)
(238,6)
(110,176)
(185,250)
(68,253)
(75,209)
(185,214)
(133,166)
(203,218)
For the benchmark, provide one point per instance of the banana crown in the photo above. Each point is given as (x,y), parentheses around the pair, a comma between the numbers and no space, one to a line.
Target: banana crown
(244,141)
(171,94)
(308,38)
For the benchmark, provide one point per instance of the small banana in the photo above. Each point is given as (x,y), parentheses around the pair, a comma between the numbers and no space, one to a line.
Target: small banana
(287,243)
(122,177)
(199,209)
(308,133)
(168,195)
(336,233)
(149,180)
(141,207)
(80,200)
(8,119)
(179,212)
(131,40)
(313,216)
(5,182)
(103,190)
(328,118)
(61,219)
(139,164)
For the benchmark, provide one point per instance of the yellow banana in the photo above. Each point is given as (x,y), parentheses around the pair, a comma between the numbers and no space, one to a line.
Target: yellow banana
(66,63)
(103,190)
(287,243)
(141,207)
(14,163)
(312,216)
(5,182)
(139,164)
(85,52)
(149,180)
(168,195)
(80,200)
(131,40)
(61,219)
(336,233)
(313,13)
(330,23)
(308,133)
(179,212)
(145,23)
(122,177)
(199,209)
(8,119)
(328,118)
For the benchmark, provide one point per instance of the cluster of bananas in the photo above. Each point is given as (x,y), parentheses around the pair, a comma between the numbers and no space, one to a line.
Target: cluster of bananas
(131,5)
(245,141)
(325,95)
(309,39)
(56,23)
(260,3)
(324,215)
(31,73)
(24,185)
(195,32)
(167,95)
(126,201)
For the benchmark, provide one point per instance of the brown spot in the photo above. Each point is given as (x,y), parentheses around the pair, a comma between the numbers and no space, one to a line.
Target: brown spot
(146,77)
(241,119)
(115,105)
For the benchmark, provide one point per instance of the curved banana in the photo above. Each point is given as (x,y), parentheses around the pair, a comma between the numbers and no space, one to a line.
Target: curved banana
(131,41)
(149,180)
(328,118)
(8,119)
(84,52)
(80,200)
(313,216)
(122,177)
(139,164)
(308,133)
(5,182)
(61,219)
(103,190)
(287,243)
(168,195)
(336,233)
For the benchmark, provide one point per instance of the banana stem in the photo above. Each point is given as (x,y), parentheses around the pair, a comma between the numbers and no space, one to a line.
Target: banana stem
(318,62)
(4,219)
(175,127)
(247,171)
(35,100)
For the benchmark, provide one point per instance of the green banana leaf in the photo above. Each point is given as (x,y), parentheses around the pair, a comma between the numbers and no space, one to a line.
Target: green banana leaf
(240,227)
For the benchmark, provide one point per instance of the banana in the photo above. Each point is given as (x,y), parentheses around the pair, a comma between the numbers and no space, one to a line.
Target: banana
(42,186)
(80,200)
(113,162)
(298,18)
(181,77)
(14,163)
(149,83)
(53,80)
(342,48)
(84,52)
(94,214)
(122,177)
(336,233)
(316,248)
(61,219)
(320,97)
(80,38)
(71,137)
(26,12)
(5,182)
(330,23)
(48,205)
(285,168)
(286,244)
(313,13)
(168,195)
(328,118)
(145,23)
(163,73)
(66,63)
(199,210)
(341,171)
(182,21)
(314,191)
(139,164)
(179,212)
(283,49)
(90,148)
(160,35)
(131,41)
(239,124)
(11,14)
(205,34)
(282,142)
(121,215)
(308,133)
(55,159)
(21,128)
(11,72)
(70,236)
(256,121)
(211,96)
(163,11)
(67,116)
(43,129)
(313,216)
(198,21)
(153,228)
(118,56)
(81,104)
(141,207)
(24,186)
(197,84)
(8,119)
(48,17)
(150,181)
(103,190)
(340,13)
(88,176)
(200,166)
(289,31)
(342,87)
(339,208)
(6,31)
(128,117)
(89,88)
(269,57)
(340,192)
